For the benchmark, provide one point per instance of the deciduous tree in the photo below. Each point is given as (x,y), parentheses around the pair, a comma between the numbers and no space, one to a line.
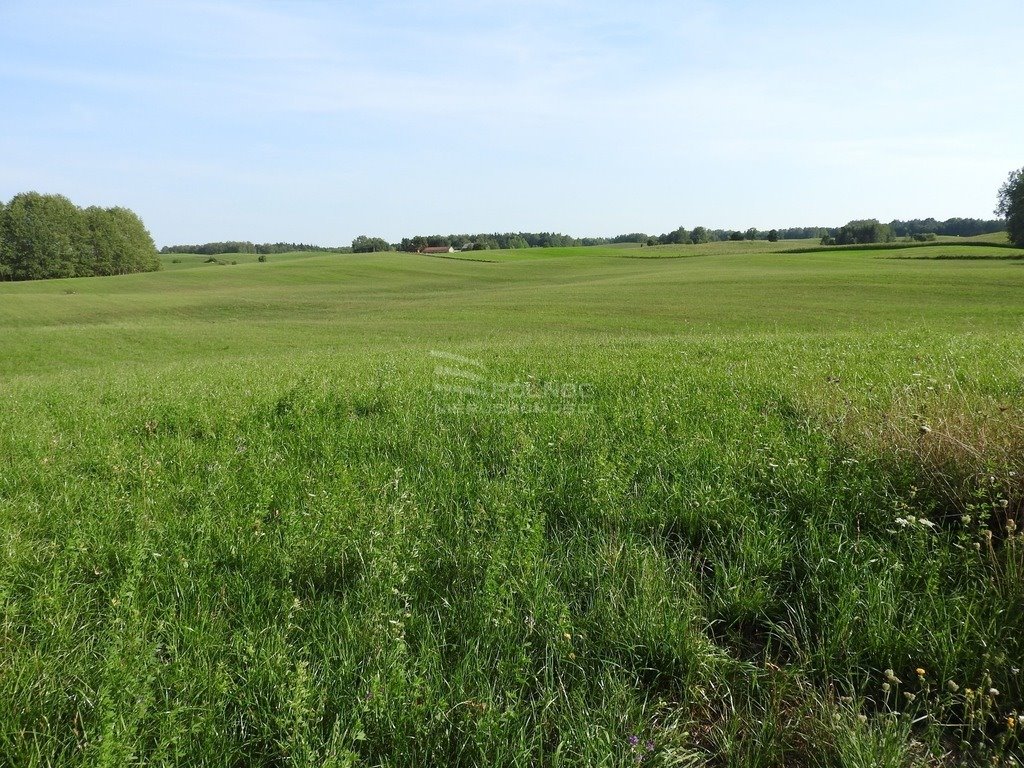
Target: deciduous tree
(1011,206)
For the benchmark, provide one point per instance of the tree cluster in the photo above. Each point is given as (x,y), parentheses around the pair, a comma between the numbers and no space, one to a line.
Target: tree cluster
(48,236)
(860,232)
(364,244)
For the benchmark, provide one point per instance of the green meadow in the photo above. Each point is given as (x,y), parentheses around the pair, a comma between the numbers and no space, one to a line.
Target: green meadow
(719,505)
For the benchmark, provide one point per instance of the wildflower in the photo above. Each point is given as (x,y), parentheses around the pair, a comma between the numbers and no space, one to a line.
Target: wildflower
(649,745)
(911,519)
(951,686)
(1011,722)
(965,519)
(1011,526)
(567,636)
(920,671)
(634,740)
(909,696)
(862,718)
(993,692)
(891,676)
(885,687)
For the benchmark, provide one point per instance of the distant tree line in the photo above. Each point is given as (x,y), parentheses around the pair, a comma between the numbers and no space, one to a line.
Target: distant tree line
(865,231)
(492,241)
(698,235)
(947,228)
(244,246)
(918,228)
(48,236)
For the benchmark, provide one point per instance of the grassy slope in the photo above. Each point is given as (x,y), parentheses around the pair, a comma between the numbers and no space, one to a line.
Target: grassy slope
(247,519)
(325,302)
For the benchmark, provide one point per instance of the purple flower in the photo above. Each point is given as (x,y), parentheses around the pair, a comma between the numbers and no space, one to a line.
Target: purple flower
(634,740)
(649,745)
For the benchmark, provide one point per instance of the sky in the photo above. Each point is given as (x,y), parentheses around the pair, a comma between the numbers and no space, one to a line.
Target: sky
(319,120)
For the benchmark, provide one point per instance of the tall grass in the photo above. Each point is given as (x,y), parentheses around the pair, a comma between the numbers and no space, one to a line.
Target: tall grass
(674,553)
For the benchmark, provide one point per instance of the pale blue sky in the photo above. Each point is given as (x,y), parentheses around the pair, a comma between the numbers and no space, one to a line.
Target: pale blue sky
(316,121)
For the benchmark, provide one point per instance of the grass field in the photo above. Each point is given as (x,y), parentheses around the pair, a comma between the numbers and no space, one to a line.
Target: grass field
(726,506)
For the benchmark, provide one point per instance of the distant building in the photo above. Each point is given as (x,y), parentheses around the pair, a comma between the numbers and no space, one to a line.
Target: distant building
(438,249)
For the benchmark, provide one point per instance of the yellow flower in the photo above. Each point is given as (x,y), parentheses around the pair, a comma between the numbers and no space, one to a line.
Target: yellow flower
(920,672)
